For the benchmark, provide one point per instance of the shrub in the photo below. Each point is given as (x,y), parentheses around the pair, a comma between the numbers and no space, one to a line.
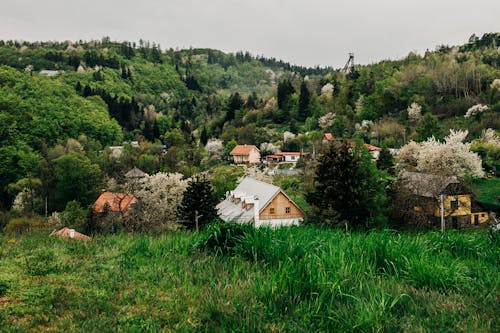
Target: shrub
(223,238)
(41,263)
(4,286)
(24,225)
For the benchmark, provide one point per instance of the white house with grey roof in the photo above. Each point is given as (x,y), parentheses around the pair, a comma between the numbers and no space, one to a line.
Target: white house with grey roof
(259,203)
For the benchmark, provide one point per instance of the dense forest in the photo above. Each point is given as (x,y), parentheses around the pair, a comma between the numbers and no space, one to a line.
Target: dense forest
(62,104)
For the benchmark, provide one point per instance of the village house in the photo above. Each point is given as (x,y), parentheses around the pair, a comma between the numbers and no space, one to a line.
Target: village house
(119,203)
(245,154)
(261,204)
(291,156)
(135,173)
(460,210)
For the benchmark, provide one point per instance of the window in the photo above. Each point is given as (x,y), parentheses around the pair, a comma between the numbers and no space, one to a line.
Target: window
(287,210)
(483,215)
(271,211)
(454,204)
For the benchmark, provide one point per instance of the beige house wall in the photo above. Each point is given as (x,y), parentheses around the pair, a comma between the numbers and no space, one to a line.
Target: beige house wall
(277,209)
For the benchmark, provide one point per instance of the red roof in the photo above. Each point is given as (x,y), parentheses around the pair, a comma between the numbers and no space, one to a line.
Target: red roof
(372,147)
(291,153)
(116,202)
(243,149)
(328,136)
(70,233)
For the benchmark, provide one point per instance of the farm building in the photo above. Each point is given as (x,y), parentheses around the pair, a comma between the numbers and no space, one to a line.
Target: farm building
(259,203)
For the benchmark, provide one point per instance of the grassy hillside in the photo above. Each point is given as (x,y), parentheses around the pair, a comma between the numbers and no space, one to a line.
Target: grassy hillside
(239,279)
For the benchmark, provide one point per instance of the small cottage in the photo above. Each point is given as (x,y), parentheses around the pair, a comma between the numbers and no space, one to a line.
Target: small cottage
(70,233)
(460,210)
(245,154)
(291,156)
(261,204)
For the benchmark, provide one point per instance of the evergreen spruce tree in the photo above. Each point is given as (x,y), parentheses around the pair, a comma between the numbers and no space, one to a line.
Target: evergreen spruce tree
(285,91)
(304,100)
(348,189)
(198,200)
(386,161)
(204,136)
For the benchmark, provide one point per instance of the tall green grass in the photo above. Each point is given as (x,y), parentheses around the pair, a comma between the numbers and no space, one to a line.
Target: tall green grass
(236,278)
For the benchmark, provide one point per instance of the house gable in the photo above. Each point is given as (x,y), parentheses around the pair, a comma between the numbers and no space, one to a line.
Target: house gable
(280,207)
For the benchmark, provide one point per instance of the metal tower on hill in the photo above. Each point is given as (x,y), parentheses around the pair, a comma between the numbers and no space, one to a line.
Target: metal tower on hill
(349,66)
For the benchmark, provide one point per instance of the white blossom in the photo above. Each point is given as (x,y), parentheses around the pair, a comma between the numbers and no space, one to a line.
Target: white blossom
(160,195)
(287,136)
(475,110)
(451,157)
(490,136)
(414,112)
(495,84)
(215,147)
(327,89)
(269,147)
(326,120)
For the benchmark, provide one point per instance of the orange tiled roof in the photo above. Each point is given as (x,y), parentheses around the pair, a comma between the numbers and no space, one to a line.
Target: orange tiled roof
(70,233)
(328,136)
(116,202)
(243,149)
(372,147)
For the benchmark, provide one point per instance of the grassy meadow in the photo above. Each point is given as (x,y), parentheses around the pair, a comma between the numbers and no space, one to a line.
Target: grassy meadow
(234,278)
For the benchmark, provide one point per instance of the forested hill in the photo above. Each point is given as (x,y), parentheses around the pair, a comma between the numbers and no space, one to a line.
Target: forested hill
(107,92)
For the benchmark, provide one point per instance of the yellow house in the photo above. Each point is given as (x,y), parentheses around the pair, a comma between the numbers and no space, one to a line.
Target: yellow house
(459,207)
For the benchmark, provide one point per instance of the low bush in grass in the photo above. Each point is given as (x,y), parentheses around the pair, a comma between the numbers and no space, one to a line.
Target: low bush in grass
(24,225)
(4,286)
(41,262)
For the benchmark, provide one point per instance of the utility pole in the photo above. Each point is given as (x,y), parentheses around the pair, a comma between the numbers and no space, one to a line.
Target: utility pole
(196,218)
(441,197)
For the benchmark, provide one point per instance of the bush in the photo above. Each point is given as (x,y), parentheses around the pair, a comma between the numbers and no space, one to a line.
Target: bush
(223,238)
(25,225)
(4,286)
(41,263)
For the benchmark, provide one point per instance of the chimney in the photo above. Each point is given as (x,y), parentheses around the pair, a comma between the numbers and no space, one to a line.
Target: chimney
(71,233)
(256,211)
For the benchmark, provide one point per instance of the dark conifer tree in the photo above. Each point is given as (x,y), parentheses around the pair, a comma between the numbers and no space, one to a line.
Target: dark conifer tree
(204,136)
(285,90)
(198,200)
(386,161)
(304,100)
(348,191)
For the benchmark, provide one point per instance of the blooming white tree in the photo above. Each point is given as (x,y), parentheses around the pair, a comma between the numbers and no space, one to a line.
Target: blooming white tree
(159,196)
(269,147)
(451,158)
(327,89)
(489,135)
(326,120)
(414,112)
(364,126)
(215,147)
(495,84)
(287,136)
(475,110)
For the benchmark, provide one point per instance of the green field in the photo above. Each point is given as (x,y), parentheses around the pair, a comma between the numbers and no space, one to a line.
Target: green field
(300,279)
(488,190)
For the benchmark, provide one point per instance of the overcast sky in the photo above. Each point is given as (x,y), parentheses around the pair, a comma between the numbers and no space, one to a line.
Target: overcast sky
(309,32)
